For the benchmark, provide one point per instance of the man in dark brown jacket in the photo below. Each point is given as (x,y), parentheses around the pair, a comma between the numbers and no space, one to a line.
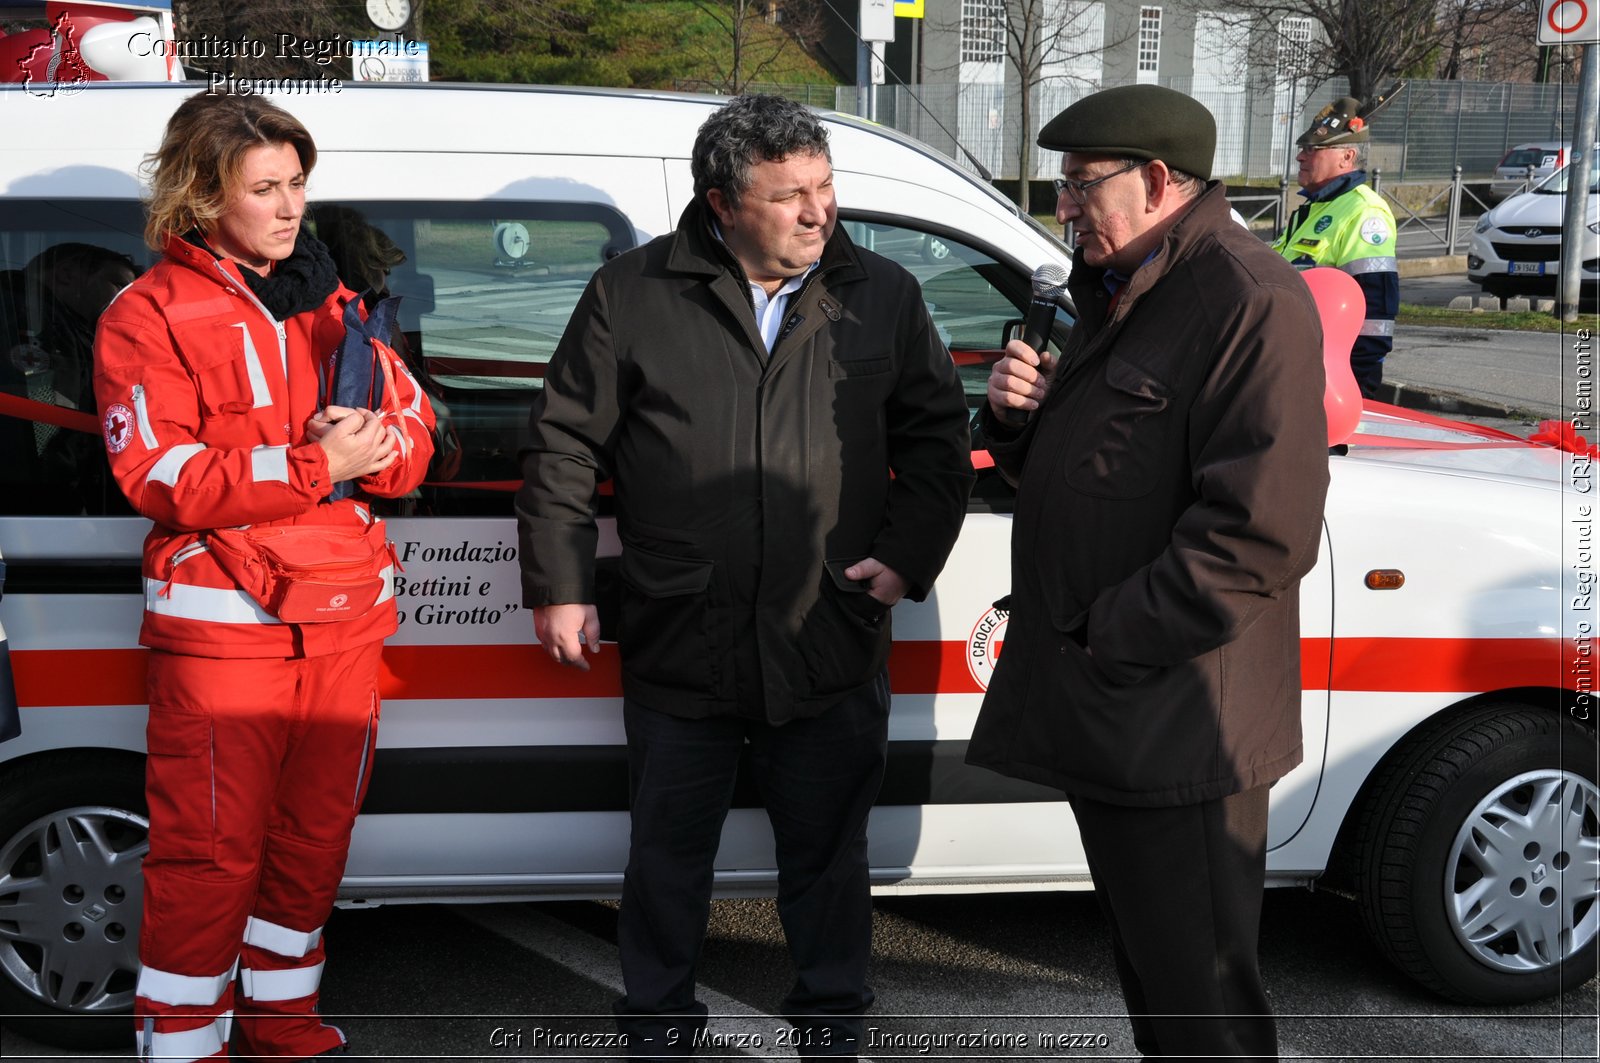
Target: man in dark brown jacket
(788,442)
(1170,472)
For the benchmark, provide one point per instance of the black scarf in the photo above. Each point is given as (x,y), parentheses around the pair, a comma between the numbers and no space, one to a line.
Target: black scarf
(301,282)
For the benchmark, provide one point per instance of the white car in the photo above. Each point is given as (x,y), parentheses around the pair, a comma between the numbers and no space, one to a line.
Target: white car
(1517,245)
(1525,165)
(1449,774)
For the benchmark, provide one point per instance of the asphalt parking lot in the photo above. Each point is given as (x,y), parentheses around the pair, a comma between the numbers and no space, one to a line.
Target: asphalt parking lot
(531,981)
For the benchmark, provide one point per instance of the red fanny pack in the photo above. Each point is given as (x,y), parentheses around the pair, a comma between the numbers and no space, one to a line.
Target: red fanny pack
(306,574)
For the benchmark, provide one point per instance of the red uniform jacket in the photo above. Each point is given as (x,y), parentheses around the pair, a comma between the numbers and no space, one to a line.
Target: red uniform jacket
(204,399)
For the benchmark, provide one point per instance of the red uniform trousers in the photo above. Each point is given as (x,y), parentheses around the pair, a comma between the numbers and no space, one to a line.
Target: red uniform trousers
(256,770)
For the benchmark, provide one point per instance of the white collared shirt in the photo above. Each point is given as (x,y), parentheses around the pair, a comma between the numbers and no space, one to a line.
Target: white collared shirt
(770,310)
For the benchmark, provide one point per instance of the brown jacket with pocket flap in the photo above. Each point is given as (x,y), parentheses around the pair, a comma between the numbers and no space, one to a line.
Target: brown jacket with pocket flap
(1169,500)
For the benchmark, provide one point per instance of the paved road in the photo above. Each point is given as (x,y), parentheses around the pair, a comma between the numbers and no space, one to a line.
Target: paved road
(438,982)
(1534,372)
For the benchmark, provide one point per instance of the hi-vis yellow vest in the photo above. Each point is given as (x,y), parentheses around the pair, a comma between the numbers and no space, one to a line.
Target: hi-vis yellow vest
(1354,232)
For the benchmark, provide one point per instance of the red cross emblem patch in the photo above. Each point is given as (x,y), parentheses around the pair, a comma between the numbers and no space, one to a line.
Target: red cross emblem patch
(118,424)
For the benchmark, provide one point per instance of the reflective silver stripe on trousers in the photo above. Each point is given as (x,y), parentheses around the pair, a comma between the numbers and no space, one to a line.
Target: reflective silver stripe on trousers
(165,987)
(1377,328)
(189,1045)
(280,939)
(269,464)
(1383,264)
(217,605)
(259,394)
(170,464)
(280,985)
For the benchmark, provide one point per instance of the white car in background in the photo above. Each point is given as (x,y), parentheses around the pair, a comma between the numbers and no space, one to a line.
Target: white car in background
(1449,779)
(1517,245)
(1525,165)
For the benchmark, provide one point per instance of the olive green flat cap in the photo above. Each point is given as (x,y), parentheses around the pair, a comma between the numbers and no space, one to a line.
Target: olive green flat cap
(1141,122)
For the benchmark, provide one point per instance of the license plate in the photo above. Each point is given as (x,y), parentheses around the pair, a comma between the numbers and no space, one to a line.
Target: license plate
(1526,269)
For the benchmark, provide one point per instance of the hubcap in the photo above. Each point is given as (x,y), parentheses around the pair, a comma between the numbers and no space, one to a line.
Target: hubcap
(70,896)
(1523,878)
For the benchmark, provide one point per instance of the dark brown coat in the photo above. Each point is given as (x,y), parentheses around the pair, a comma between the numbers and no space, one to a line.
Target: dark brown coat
(1170,495)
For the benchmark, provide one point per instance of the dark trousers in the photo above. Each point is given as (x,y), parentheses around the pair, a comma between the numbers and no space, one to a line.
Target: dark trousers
(818,778)
(1181,888)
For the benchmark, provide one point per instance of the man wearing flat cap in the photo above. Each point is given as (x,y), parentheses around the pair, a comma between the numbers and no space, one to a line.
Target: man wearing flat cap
(1345,224)
(1170,467)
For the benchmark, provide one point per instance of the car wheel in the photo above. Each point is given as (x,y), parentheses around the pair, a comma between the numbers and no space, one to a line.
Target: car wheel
(1477,855)
(73,834)
(934,249)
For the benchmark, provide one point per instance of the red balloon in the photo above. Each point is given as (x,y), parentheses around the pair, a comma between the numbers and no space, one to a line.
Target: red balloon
(1343,308)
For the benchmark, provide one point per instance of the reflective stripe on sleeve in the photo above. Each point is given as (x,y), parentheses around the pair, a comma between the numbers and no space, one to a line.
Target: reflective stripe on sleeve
(188,1045)
(401,443)
(1377,328)
(280,939)
(166,470)
(280,985)
(259,394)
(269,464)
(219,605)
(141,417)
(1375,264)
(165,987)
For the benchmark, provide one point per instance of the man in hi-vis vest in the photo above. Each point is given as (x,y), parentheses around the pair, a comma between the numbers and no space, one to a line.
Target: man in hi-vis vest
(1345,224)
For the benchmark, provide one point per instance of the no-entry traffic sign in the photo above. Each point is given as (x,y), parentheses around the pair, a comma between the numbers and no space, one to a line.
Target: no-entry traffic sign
(1568,22)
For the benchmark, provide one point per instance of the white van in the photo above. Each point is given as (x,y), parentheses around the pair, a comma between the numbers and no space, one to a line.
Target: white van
(1439,626)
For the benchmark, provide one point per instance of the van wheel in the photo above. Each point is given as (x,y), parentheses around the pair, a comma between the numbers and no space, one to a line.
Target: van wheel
(1477,856)
(73,834)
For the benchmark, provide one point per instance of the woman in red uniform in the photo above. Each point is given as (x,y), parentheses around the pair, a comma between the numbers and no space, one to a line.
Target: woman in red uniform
(266,602)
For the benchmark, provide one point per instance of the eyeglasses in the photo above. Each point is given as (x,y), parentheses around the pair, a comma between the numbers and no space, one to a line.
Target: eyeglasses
(1076,189)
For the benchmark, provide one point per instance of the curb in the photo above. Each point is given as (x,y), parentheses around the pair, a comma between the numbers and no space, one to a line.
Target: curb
(1430,400)
(1435,266)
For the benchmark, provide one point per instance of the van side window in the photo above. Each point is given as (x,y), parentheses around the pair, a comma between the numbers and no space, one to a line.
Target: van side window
(486,290)
(61,263)
(970,296)
(975,302)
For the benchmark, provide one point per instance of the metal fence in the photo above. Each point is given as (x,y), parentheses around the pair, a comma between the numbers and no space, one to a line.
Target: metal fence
(1430,128)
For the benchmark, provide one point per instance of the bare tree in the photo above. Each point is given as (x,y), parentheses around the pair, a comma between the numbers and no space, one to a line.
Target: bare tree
(1368,43)
(1043,41)
(1030,46)
(759,33)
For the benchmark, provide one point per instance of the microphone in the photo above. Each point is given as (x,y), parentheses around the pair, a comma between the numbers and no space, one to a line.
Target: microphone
(1049,281)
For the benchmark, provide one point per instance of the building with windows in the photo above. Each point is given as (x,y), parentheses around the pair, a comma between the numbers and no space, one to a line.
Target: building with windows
(1062,49)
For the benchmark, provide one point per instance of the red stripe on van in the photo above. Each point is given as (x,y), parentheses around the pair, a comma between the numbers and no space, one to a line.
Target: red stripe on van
(495,672)
(79,677)
(1416,665)
(116,677)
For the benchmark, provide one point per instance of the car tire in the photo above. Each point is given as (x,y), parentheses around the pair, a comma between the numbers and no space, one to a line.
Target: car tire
(73,834)
(934,250)
(1461,917)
